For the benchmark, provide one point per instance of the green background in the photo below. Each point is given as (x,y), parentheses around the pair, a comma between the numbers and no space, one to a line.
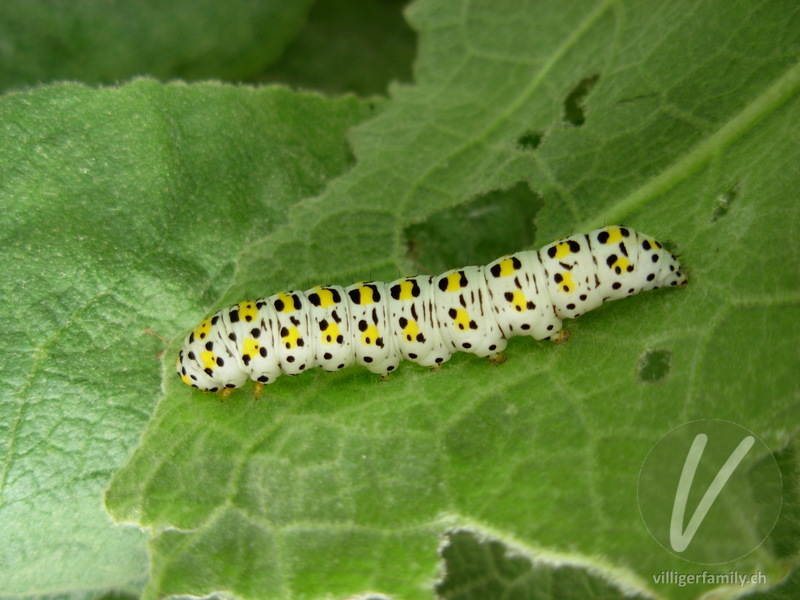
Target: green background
(408,142)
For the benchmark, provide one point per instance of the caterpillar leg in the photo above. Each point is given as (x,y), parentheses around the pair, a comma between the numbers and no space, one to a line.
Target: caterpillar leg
(224,393)
(436,368)
(561,337)
(385,377)
(497,359)
(257,389)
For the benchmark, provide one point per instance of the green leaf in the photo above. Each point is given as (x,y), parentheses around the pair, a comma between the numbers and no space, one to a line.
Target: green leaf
(123,211)
(339,484)
(96,41)
(679,118)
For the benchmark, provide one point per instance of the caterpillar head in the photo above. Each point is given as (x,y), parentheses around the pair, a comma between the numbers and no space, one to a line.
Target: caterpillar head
(663,268)
(629,262)
(205,362)
(190,373)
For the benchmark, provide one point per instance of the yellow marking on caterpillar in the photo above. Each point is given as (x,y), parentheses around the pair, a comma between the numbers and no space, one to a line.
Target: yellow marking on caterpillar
(411,330)
(291,337)
(288,302)
(614,235)
(208,359)
(330,333)
(184,376)
(325,297)
(620,265)
(248,312)
(251,347)
(202,330)
(370,336)
(453,282)
(506,267)
(367,295)
(518,301)
(562,250)
(461,319)
(566,284)
(405,290)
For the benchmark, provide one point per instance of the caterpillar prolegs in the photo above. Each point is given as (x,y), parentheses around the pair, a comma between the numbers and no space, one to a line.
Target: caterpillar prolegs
(424,319)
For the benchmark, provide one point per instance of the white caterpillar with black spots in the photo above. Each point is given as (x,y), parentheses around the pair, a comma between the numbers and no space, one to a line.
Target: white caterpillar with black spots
(424,319)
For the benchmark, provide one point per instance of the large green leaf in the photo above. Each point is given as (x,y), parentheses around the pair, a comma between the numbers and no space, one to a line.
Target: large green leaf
(105,195)
(340,483)
(680,119)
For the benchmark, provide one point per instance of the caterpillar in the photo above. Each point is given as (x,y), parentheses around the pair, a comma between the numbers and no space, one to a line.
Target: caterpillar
(424,319)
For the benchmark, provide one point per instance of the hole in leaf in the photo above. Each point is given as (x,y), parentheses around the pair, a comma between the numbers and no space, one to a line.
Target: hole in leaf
(476,567)
(497,223)
(118,595)
(671,246)
(784,541)
(654,365)
(724,202)
(573,105)
(530,140)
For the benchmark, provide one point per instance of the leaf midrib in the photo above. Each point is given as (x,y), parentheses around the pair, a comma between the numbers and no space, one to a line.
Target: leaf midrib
(783,89)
